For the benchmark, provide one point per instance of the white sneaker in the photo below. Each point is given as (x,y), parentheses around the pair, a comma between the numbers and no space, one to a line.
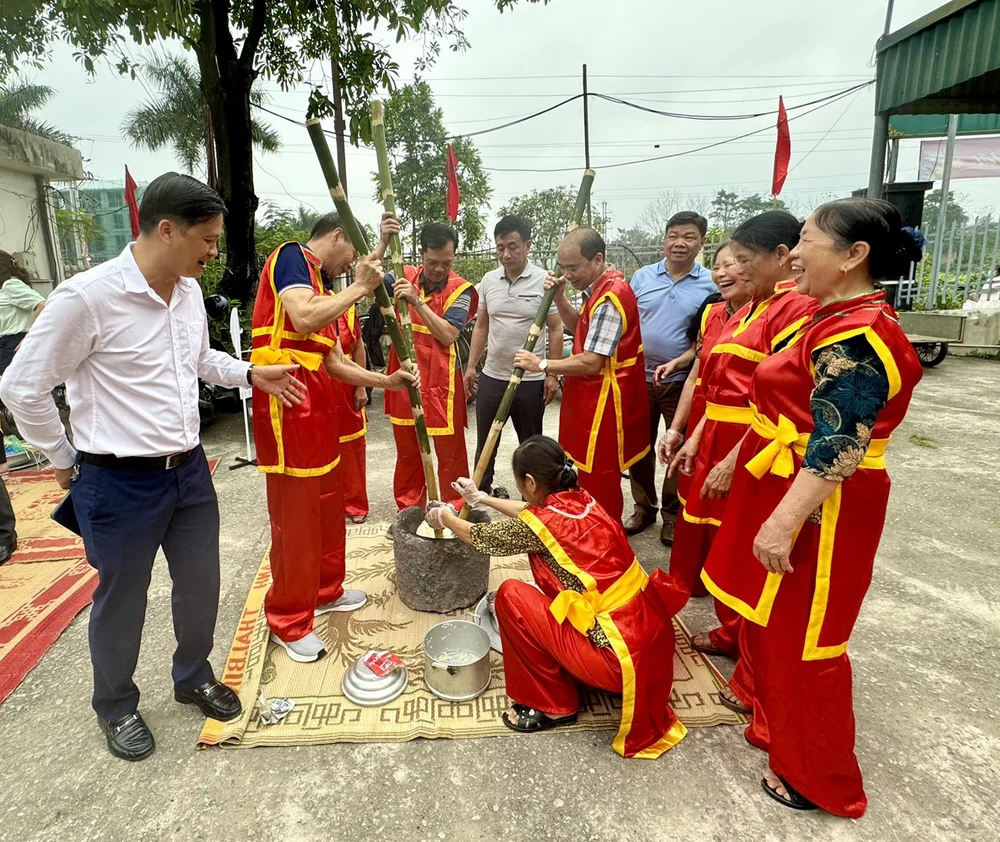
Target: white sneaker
(350,600)
(306,650)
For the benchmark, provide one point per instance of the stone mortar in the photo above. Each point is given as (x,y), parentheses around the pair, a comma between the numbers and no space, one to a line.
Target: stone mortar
(437,574)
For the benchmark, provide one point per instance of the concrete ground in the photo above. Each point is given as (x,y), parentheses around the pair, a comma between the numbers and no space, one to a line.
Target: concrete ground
(925,673)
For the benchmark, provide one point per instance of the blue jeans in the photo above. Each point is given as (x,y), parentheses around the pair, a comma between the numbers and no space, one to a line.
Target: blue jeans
(125,517)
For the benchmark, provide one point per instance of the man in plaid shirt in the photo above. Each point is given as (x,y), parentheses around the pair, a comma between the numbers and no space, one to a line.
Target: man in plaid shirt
(603,423)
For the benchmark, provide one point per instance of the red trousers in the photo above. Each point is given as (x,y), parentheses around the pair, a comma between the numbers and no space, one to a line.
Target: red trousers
(692,541)
(353,476)
(545,662)
(408,484)
(308,538)
(725,637)
(803,710)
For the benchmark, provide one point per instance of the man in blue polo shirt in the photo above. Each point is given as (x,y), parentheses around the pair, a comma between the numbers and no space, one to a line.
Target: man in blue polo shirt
(669,294)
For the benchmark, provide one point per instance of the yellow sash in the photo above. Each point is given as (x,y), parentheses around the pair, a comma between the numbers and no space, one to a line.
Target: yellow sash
(269,355)
(728,414)
(785,438)
(583,609)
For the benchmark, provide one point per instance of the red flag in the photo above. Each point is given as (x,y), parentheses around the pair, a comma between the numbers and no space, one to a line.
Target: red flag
(451,172)
(132,202)
(783,150)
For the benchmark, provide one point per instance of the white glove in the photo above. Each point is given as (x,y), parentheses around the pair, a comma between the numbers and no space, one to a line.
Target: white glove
(668,445)
(435,513)
(470,491)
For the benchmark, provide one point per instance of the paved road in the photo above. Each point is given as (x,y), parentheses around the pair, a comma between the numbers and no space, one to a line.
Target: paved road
(926,685)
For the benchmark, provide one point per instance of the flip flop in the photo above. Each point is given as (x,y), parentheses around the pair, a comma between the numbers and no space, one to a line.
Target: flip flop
(530,720)
(795,801)
(735,707)
(705,650)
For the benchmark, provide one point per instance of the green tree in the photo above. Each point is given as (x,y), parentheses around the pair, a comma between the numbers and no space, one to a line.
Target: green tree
(417,142)
(18,100)
(730,209)
(79,223)
(954,213)
(180,117)
(236,43)
(637,236)
(549,212)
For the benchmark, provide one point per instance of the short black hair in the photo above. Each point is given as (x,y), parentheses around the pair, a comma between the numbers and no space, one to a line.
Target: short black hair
(766,231)
(436,235)
(590,241)
(513,224)
(326,224)
(180,198)
(688,218)
(891,249)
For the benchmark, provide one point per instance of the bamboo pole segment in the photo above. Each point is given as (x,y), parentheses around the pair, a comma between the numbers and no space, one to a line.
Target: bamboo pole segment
(582,198)
(403,351)
(406,325)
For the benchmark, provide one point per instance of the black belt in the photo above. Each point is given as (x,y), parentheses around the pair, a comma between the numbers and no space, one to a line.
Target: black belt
(142,464)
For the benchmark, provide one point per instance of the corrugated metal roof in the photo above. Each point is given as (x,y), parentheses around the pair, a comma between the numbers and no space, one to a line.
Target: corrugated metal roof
(936,125)
(946,62)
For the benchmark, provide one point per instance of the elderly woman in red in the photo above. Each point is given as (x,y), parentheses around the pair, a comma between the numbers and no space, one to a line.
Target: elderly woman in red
(795,554)
(595,618)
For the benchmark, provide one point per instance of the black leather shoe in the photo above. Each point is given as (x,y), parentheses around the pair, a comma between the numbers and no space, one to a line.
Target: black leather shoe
(128,737)
(213,698)
(7,551)
(641,519)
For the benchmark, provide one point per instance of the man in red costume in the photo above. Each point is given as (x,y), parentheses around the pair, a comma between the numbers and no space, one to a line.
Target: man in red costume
(298,448)
(441,303)
(352,422)
(604,420)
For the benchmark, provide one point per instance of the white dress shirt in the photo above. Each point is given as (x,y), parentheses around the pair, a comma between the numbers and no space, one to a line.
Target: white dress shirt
(130,363)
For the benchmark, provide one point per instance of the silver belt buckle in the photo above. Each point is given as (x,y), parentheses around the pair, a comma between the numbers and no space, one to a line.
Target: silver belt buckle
(173,461)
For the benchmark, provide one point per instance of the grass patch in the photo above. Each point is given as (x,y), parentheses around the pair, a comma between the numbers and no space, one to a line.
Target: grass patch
(923,441)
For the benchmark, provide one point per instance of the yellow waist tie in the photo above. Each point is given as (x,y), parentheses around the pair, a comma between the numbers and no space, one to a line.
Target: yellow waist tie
(583,609)
(286,356)
(785,438)
(728,414)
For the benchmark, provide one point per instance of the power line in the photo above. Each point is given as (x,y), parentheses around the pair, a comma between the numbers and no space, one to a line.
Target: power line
(678,154)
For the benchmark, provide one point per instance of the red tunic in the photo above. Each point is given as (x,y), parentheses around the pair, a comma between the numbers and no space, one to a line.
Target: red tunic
(299,440)
(745,340)
(610,409)
(852,517)
(713,320)
(352,424)
(634,611)
(441,387)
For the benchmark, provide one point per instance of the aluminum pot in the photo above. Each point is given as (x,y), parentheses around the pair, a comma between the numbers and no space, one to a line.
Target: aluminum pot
(456,660)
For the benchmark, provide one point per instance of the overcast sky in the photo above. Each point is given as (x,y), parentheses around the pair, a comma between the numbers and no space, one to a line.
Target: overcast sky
(718,57)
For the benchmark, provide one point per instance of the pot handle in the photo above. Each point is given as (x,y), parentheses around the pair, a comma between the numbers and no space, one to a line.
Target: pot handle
(449,668)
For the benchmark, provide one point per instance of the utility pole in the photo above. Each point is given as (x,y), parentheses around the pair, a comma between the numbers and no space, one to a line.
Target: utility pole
(586,133)
(210,160)
(949,159)
(880,133)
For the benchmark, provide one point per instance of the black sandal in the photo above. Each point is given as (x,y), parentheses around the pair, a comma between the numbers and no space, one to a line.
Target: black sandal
(735,707)
(794,800)
(530,720)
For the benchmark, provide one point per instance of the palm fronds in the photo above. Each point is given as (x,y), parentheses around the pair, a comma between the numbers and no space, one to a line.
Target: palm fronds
(17,102)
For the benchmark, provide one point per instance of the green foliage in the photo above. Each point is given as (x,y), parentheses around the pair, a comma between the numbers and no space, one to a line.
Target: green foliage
(417,143)
(730,210)
(79,223)
(549,212)
(637,236)
(954,213)
(178,117)
(18,99)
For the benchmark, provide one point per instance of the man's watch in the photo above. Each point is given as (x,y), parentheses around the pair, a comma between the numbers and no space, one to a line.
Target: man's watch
(543,365)
(250,375)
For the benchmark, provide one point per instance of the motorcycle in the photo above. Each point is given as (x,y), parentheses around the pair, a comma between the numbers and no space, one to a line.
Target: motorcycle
(213,399)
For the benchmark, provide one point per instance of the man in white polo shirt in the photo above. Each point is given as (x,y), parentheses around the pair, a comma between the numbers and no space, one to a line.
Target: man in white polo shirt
(509,297)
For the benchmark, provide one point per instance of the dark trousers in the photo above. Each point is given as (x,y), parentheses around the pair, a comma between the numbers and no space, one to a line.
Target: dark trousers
(8,535)
(526,413)
(662,403)
(125,517)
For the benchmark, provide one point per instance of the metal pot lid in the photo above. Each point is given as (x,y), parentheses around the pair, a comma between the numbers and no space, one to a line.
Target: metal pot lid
(365,688)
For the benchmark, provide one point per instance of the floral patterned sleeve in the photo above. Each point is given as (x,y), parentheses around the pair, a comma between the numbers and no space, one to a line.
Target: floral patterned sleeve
(851,389)
(507,536)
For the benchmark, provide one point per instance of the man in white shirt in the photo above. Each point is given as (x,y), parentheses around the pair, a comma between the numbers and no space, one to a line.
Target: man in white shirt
(130,340)
(509,299)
